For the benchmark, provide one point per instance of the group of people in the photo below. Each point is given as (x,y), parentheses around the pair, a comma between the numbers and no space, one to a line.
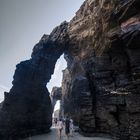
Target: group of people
(64,124)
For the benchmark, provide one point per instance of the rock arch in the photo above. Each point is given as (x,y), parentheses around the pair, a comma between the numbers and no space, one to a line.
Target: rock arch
(27,106)
(56,94)
(102,79)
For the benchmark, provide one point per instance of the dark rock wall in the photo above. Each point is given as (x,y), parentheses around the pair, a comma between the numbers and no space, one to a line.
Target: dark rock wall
(101,84)
(27,108)
(100,88)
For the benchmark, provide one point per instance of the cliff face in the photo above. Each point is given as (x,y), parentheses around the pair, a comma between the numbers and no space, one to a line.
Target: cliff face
(101,85)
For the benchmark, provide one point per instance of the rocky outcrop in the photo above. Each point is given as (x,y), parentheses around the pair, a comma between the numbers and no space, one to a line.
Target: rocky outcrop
(104,49)
(56,94)
(27,108)
(78,101)
(100,88)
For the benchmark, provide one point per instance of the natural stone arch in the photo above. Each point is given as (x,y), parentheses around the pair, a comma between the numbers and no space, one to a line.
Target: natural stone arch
(56,94)
(27,108)
(88,43)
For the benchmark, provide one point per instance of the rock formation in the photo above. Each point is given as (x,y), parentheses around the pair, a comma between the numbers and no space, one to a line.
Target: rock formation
(102,79)
(101,85)
(27,108)
(56,94)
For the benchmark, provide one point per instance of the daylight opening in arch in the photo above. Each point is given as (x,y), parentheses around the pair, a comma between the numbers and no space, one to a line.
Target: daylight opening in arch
(56,78)
(56,109)
(56,81)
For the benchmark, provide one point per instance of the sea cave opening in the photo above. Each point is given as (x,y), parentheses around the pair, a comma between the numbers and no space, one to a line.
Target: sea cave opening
(54,86)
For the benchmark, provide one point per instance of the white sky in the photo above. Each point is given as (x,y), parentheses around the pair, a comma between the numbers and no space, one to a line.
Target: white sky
(57,106)
(56,78)
(22,24)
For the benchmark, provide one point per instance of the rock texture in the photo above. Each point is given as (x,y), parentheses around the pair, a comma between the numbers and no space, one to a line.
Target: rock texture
(101,85)
(56,94)
(27,108)
(102,79)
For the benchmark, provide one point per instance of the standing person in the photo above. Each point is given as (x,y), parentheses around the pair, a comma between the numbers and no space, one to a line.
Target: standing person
(67,127)
(55,122)
(60,128)
(63,120)
(71,127)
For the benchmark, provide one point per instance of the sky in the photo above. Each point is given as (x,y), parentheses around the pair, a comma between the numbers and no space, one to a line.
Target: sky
(22,24)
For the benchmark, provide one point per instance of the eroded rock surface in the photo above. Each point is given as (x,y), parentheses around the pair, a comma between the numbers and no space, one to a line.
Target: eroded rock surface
(56,94)
(101,85)
(27,108)
(104,50)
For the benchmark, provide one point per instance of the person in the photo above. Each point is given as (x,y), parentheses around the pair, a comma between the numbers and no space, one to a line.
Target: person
(55,122)
(67,127)
(60,128)
(63,120)
(71,127)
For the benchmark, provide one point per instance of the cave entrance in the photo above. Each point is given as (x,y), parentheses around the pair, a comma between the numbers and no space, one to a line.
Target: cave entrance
(54,86)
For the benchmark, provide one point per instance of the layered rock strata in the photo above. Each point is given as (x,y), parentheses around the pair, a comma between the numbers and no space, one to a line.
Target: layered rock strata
(104,52)
(101,85)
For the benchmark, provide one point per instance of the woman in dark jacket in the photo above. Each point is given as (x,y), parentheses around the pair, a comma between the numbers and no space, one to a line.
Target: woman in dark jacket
(67,127)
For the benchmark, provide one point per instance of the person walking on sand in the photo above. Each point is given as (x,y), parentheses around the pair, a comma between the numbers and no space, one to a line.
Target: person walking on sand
(60,128)
(67,127)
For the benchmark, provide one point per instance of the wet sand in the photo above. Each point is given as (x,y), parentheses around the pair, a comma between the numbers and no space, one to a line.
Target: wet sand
(53,135)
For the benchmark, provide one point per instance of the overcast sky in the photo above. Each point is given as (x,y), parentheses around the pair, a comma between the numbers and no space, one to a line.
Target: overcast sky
(22,24)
